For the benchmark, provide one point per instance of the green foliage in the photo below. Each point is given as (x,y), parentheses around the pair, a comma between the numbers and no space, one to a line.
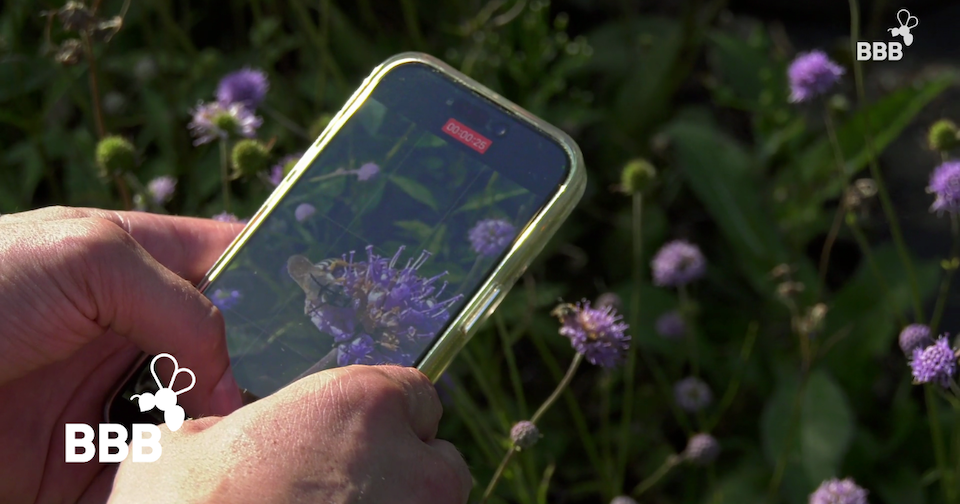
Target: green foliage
(753,180)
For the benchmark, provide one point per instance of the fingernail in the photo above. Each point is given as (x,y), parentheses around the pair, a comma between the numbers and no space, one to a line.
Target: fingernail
(226,395)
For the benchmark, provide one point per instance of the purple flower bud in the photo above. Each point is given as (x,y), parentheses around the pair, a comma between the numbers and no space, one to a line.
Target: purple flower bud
(226,299)
(678,263)
(812,74)
(945,184)
(304,211)
(491,236)
(834,491)
(161,189)
(914,336)
(247,87)
(597,334)
(692,394)
(213,121)
(524,434)
(670,325)
(702,449)
(935,364)
(367,172)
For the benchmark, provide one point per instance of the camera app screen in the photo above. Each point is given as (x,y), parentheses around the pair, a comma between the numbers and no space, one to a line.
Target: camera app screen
(377,246)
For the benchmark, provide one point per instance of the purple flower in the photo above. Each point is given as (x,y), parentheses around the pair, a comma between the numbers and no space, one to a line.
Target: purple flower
(812,74)
(282,168)
(161,189)
(524,434)
(670,325)
(490,236)
(367,172)
(937,363)
(378,312)
(226,217)
(702,449)
(596,333)
(304,211)
(692,394)
(678,263)
(246,87)
(914,336)
(835,491)
(225,299)
(212,121)
(945,184)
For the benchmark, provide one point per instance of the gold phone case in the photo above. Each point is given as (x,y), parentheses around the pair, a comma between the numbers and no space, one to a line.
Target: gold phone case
(528,244)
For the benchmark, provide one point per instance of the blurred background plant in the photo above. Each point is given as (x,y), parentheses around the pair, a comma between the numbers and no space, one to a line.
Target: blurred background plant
(765,361)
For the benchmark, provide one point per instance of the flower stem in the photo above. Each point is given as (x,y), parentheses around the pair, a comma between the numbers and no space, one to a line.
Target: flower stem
(224,174)
(838,218)
(285,121)
(792,425)
(871,261)
(885,201)
(571,371)
(657,475)
(936,435)
(734,385)
(629,369)
(685,311)
(511,364)
(951,269)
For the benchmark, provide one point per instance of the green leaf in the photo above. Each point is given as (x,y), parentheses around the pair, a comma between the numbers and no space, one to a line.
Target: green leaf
(420,230)
(415,190)
(482,200)
(719,171)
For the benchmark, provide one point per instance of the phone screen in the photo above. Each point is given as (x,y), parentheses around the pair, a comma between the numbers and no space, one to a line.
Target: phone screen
(389,231)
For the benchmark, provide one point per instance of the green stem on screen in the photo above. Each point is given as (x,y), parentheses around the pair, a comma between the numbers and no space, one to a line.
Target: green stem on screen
(225,174)
(950,265)
(629,369)
(657,475)
(571,372)
(885,201)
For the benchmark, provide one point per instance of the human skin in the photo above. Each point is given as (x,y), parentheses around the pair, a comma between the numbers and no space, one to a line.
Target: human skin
(83,292)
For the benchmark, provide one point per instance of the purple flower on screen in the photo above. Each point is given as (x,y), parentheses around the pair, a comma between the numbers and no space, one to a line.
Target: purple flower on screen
(161,189)
(596,333)
(935,364)
(812,74)
(247,87)
(214,121)
(376,310)
(945,185)
(914,336)
(678,263)
(367,172)
(304,211)
(489,237)
(225,299)
(837,491)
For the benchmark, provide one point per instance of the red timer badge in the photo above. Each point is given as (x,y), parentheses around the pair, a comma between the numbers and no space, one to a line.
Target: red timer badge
(467,136)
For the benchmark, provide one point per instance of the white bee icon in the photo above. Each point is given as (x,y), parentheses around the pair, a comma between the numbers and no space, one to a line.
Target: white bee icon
(166,398)
(906,23)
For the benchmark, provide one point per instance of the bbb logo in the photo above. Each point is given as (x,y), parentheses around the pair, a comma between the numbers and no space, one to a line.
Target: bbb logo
(114,436)
(892,51)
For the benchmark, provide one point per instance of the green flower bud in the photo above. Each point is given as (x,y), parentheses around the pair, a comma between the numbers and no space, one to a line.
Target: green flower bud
(250,157)
(319,125)
(943,135)
(637,176)
(115,155)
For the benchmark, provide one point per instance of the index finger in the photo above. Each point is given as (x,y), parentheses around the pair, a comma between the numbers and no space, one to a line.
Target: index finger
(188,246)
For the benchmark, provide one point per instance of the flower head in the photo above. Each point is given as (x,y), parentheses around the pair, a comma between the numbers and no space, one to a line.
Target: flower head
(224,299)
(304,211)
(114,155)
(490,236)
(914,336)
(678,263)
(247,87)
(945,184)
(623,499)
(937,363)
(637,176)
(836,491)
(212,121)
(670,325)
(249,157)
(596,333)
(161,189)
(282,168)
(692,394)
(943,135)
(226,217)
(376,311)
(524,434)
(812,74)
(367,172)
(702,449)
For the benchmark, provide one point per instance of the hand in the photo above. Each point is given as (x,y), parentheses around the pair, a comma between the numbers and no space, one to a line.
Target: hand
(359,434)
(82,293)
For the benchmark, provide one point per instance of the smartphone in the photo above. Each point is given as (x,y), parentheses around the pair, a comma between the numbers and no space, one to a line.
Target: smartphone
(395,235)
